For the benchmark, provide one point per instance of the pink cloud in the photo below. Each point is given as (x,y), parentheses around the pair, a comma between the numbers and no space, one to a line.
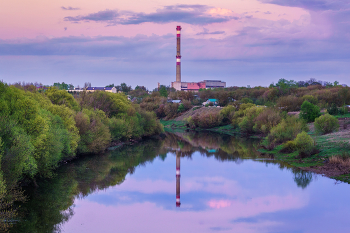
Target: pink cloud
(93,217)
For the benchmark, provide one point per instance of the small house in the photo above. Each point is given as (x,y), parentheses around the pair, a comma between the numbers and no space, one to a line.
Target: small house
(214,101)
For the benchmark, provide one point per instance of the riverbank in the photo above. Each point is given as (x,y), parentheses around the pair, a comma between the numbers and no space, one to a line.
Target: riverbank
(333,144)
(330,145)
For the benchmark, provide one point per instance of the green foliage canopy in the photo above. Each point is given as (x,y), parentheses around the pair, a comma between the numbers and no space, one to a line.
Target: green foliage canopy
(309,112)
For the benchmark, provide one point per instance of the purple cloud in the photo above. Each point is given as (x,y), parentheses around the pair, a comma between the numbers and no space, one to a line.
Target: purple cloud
(316,5)
(106,15)
(70,8)
(206,32)
(191,14)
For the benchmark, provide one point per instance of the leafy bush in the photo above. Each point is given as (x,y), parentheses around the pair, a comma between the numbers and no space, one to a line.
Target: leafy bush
(62,97)
(227,113)
(286,130)
(187,104)
(266,120)
(304,144)
(309,112)
(333,109)
(181,108)
(118,128)
(94,131)
(240,113)
(288,147)
(208,120)
(160,112)
(247,122)
(246,101)
(150,124)
(170,110)
(326,124)
(111,103)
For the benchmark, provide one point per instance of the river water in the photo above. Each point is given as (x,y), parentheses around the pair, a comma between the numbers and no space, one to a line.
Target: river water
(186,182)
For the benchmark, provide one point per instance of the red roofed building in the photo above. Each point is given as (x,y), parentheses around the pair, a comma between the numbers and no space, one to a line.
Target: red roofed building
(195,86)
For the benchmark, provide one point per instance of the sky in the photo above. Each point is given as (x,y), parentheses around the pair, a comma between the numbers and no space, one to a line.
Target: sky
(241,42)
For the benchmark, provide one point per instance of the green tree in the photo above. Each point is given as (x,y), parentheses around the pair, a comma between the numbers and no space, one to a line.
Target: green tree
(61,86)
(163,92)
(124,88)
(181,108)
(309,112)
(62,97)
(333,109)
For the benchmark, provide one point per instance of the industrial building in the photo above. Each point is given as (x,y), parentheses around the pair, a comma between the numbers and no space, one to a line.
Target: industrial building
(190,86)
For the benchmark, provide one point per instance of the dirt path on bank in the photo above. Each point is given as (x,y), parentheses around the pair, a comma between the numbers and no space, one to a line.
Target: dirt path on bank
(201,110)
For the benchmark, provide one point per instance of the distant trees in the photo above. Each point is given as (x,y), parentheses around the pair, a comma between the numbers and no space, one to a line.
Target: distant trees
(124,88)
(163,92)
(63,86)
(87,84)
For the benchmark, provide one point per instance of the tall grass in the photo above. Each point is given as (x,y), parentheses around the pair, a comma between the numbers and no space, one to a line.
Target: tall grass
(341,160)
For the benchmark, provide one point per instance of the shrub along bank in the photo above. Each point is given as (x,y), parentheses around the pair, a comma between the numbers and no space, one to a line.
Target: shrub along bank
(39,130)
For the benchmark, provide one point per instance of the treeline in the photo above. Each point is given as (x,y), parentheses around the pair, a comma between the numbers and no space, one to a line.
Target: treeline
(39,130)
(285,94)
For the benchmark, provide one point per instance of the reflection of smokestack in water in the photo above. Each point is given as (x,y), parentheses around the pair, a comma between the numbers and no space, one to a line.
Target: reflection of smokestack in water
(178,179)
(178,54)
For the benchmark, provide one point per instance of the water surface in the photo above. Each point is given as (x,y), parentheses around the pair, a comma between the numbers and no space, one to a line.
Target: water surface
(224,185)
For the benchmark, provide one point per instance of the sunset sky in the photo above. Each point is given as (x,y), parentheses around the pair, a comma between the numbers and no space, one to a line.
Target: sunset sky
(242,42)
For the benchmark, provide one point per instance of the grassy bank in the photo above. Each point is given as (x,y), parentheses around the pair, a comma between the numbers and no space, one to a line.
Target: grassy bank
(328,145)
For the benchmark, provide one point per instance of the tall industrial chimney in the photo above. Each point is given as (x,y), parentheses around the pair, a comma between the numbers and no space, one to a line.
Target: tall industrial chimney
(178,54)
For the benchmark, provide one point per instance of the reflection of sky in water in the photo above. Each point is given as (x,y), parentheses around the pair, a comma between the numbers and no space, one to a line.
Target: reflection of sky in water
(215,196)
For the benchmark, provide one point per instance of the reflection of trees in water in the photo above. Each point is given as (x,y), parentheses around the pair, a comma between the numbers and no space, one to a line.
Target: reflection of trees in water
(302,178)
(228,148)
(8,207)
(222,147)
(50,205)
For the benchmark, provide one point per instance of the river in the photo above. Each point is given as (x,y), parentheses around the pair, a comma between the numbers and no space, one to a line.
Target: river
(186,182)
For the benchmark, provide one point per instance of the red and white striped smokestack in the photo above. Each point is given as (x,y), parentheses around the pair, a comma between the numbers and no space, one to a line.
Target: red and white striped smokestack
(178,54)
(178,203)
